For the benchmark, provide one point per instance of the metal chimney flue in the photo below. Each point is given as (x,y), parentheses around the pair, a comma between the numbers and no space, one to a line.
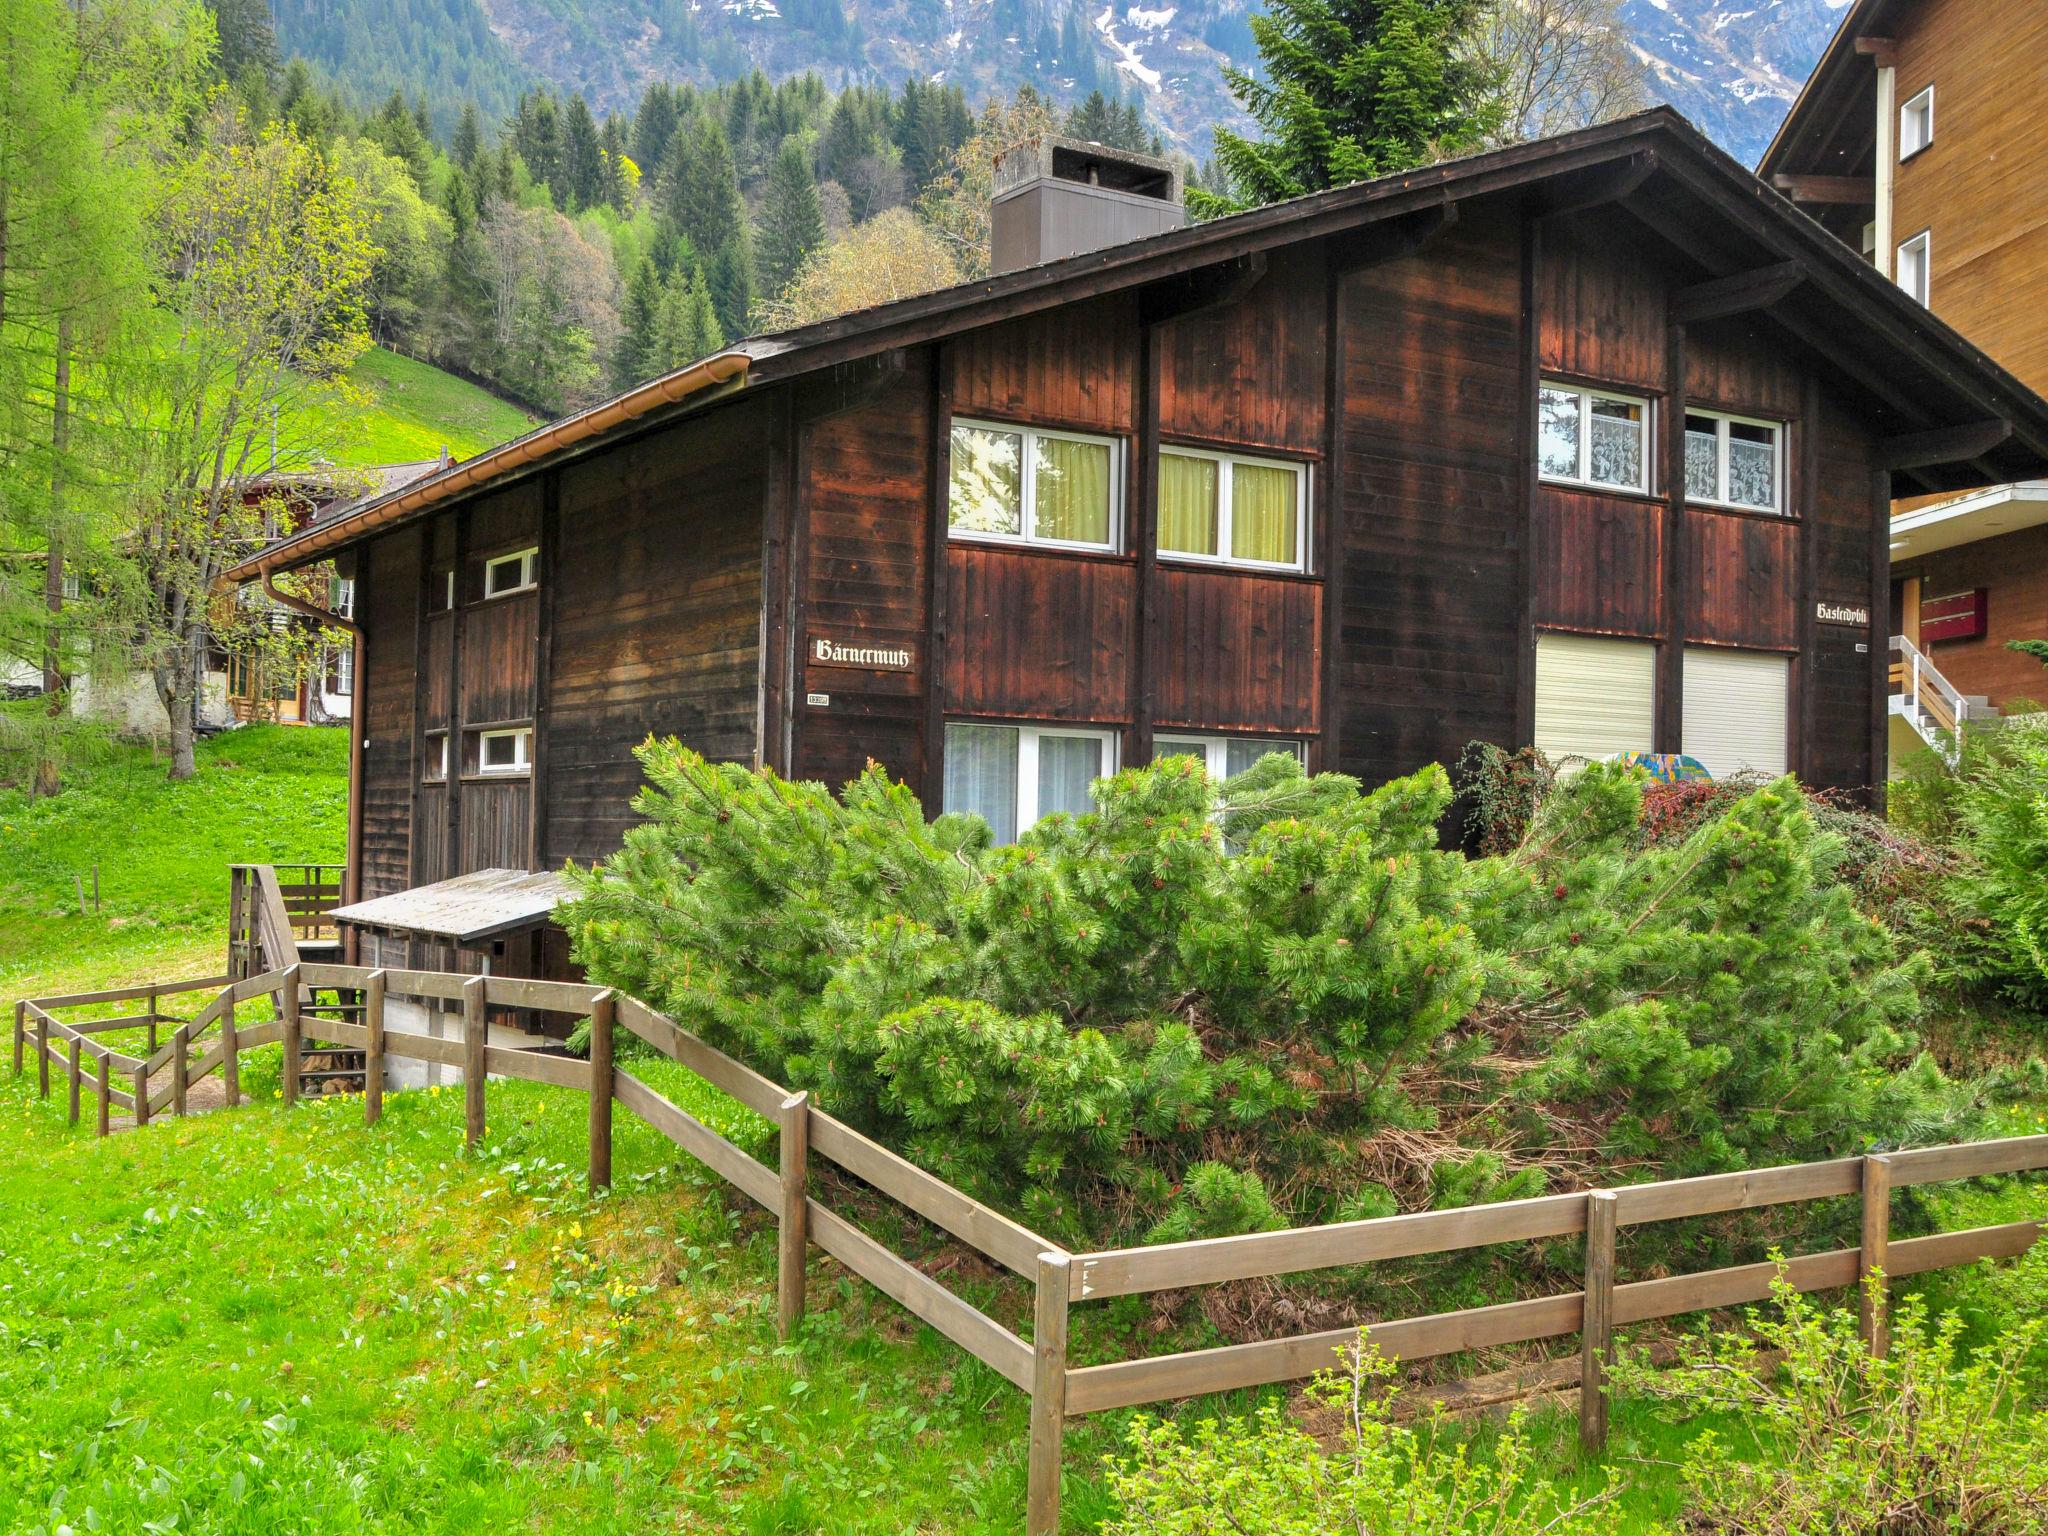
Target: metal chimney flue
(1057,197)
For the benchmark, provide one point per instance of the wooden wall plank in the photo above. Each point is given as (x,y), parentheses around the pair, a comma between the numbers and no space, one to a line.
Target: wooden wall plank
(1599,562)
(1240,652)
(1250,373)
(1745,580)
(1074,369)
(1037,636)
(388,598)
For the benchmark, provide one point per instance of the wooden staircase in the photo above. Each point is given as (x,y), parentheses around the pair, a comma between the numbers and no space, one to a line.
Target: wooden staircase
(1936,711)
(277,918)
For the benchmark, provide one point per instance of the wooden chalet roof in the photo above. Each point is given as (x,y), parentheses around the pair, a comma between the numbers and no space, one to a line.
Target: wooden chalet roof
(1832,127)
(467,909)
(1957,418)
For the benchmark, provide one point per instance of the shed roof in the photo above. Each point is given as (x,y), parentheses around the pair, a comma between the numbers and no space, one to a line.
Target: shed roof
(1924,383)
(467,909)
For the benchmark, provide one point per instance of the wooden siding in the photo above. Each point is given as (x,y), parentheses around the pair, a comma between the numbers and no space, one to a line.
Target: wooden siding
(1075,371)
(1428,543)
(657,604)
(1599,562)
(1251,373)
(495,822)
(1742,367)
(2013,570)
(497,661)
(1979,186)
(1035,636)
(1600,302)
(1745,580)
(388,600)
(1240,652)
(1836,679)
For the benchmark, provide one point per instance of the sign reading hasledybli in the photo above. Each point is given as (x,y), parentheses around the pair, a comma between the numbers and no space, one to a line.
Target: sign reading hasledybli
(1853,614)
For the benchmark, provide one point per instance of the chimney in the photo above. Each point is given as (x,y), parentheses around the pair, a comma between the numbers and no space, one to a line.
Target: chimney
(1058,197)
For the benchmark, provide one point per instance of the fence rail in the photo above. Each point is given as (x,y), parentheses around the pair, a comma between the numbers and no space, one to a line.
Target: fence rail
(1038,1367)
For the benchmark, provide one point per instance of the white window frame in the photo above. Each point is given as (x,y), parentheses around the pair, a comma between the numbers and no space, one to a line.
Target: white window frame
(1028,487)
(344,672)
(1923,243)
(1228,463)
(1028,814)
(342,597)
(1723,420)
(1214,751)
(524,560)
(1916,109)
(521,738)
(1588,393)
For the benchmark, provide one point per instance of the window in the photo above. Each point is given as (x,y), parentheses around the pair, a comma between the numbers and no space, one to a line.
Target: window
(1595,698)
(506,574)
(1239,511)
(434,758)
(1032,487)
(441,592)
(1224,756)
(341,671)
(1589,437)
(504,751)
(1733,462)
(1916,124)
(1737,711)
(1011,775)
(341,597)
(1915,268)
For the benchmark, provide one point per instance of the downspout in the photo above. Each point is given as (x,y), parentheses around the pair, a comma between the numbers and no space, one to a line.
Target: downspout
(352,875)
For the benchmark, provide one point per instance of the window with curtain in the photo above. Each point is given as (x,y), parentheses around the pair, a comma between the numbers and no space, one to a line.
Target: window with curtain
(1732,461)
(1022,485)
(1012,775)
(1590,437)
(1230,509)
(1225,757)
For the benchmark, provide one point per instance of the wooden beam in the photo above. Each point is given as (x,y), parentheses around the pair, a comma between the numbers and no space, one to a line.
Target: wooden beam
(1942,445)
(1804,188)
(1212,287)
(1390,239)
(1883,49)
(1736,294)
(1599,187)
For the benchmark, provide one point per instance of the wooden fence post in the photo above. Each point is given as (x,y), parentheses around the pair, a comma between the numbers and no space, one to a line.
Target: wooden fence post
(142,1095)
(20,1032)
(603,1014)
(373,1049)
(150,1048)
(1877,1222)
(290,1012)
(1048,1396)
(181,1063)
(473,1031)
(106,1104)
(1596,1328)
(230,1050)
(42,1054)
(74,1080)
(793,1236)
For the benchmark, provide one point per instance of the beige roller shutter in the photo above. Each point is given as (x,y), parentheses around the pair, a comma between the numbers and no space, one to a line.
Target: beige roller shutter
(1738,711)
(1594,697)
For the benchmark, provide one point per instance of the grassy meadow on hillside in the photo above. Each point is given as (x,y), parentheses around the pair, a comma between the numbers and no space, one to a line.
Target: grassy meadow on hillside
(413,409)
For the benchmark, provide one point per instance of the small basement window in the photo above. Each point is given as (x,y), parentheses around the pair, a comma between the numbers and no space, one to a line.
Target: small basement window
(504,751)
(1733,461)
(1591,437)
(1024,486)
(1011,775)
(1224,757)
(1916,124)
(506,574)
(1232,509)
(1915,268)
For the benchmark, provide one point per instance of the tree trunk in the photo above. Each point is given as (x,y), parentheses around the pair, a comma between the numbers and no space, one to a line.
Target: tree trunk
(53,568)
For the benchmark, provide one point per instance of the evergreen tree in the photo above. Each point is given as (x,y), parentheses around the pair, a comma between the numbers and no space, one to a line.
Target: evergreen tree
(654,124)
(397,132)
(685,327)
(729,275)
(469,137)
(701,187)
(635,350)
(1117,124)
(618,175)
(248,39)
(1348,90)
(792,224)
(582,163)
(537,136)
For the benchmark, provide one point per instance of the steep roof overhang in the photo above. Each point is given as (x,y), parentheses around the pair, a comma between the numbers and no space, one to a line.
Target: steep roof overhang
(1832,127)
(1750,249)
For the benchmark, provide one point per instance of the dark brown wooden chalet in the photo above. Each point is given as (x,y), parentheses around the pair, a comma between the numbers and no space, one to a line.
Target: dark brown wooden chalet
(1592,440)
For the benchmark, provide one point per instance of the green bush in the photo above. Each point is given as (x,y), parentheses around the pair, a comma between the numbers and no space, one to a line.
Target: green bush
(1264,1476)
(1830,1441)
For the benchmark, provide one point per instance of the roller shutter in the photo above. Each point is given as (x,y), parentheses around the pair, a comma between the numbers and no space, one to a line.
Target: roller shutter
(1738,711)
(1594,697)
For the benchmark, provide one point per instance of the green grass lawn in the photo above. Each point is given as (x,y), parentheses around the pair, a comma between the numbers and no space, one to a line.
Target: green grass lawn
(272,1320)
(415,409)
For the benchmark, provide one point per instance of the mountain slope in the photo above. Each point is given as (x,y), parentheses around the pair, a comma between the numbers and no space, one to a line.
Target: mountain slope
(1733,71)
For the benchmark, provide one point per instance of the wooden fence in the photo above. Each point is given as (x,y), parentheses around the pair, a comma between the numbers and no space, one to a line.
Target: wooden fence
(1060,1279)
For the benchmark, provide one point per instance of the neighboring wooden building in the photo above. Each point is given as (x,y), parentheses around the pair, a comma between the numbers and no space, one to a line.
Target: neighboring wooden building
(1366,476)
(1920,141)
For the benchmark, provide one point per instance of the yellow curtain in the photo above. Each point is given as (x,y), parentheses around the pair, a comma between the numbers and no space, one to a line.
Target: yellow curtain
(1187,504)
(1262,513)
(1073,491)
